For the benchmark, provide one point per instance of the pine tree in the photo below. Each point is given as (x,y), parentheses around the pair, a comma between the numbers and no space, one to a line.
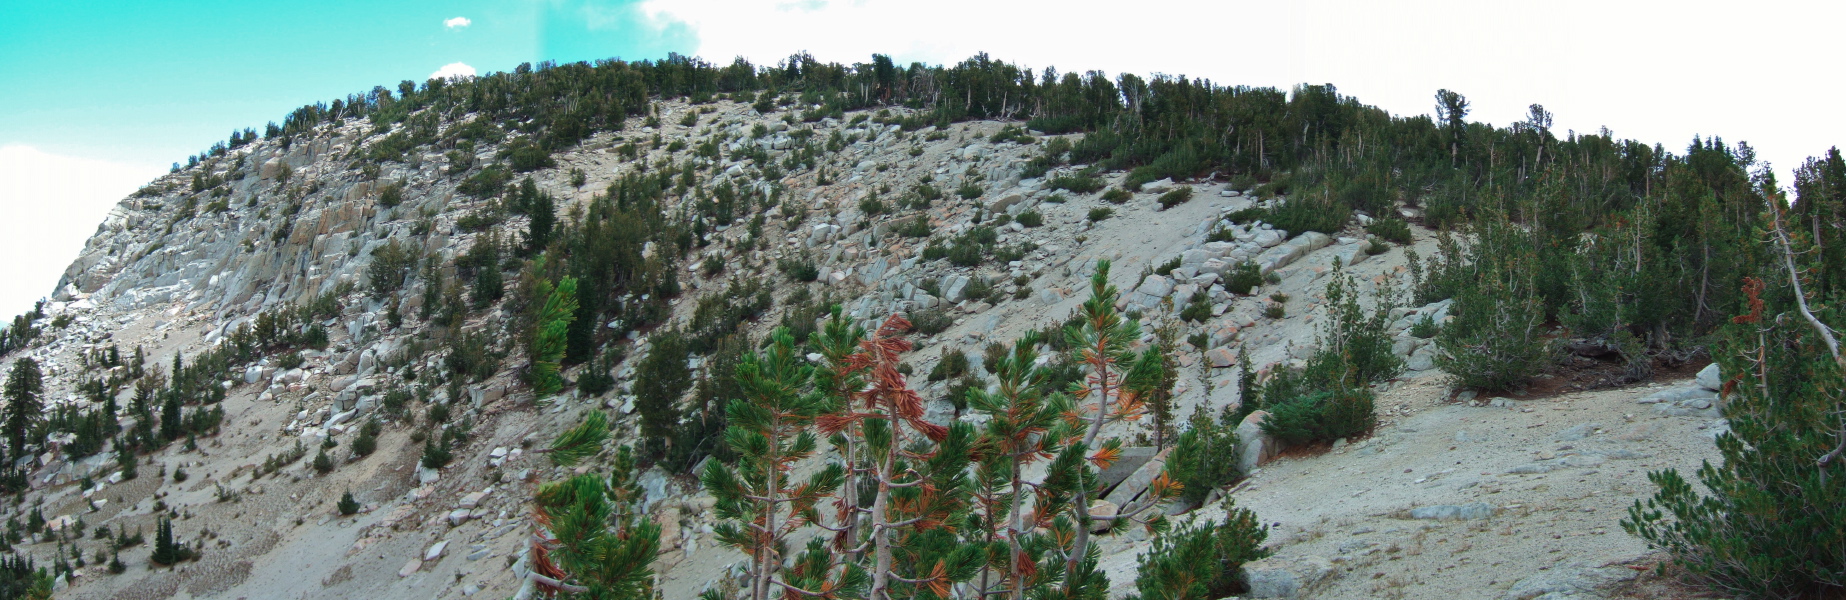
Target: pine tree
(367,441)
(836,378)
(436,456)
(556,308)
(919,472)
(771,429)
(25,406)
(1101,342)
(125,460)
(348,505)
(165,551)
(1201,562)
(171,418)
(323,463)
(1771,520)
(595,544)
(660,380)
(1024,426)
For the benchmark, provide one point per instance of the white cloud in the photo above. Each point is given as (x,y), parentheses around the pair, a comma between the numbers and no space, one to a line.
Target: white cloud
(452,71)
(457,22)
(1629,66)
(52,205)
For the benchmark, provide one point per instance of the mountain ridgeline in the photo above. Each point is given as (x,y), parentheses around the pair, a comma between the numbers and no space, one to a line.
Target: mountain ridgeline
(880,331)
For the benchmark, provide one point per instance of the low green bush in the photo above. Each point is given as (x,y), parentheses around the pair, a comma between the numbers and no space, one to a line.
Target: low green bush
(1080,183)
(1243,278)
(953,364)
(1198,460)
(932,321)
(1205,561)
(1424,328)
(1321,416)
(1176,197)
(1392,229)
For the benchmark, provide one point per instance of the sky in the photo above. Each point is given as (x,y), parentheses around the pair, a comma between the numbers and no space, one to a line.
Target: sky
(98,97)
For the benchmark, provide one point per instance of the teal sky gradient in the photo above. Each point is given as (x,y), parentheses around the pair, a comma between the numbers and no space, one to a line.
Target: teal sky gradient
(153,82)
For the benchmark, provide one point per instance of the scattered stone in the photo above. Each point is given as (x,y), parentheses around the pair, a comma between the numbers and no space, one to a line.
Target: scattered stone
(1220,357)
(435,551)
(1287,577)
(1254,447)
(1577,432)
(1709,378)
(1453,512)
(1562,584)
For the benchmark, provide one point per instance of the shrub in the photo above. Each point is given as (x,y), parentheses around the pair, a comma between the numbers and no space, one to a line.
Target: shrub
(1495,340)
(1767,522)
(487,183)
(712,266)
(1391,228)
(872,206)
(348,506)
(965,253)
(1099,213)
(935,251)
(932,321)
(1275,187)
(953,364)
(1117,196)
(1309,213)
(1275,310)
(597,379)
(1243,278)
(1424,328)
(1198,461)
(1198,310)
(799,269)
(367,441)
(1030,218)
(928,193)
(1081,183)
(1202,561)
(323,464)
(1354,347)
(1321,416)
(1178,196)
(969,191)
(391,194)
(978,289)
(914,228)
(435,456)
(390,263)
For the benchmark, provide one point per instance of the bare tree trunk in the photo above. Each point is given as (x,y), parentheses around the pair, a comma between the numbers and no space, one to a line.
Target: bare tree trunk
(1080,547)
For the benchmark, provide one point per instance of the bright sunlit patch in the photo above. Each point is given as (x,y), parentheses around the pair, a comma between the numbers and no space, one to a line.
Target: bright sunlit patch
(52,204)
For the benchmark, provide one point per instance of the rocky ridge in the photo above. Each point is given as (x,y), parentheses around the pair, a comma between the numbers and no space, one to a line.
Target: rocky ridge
(176,272)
